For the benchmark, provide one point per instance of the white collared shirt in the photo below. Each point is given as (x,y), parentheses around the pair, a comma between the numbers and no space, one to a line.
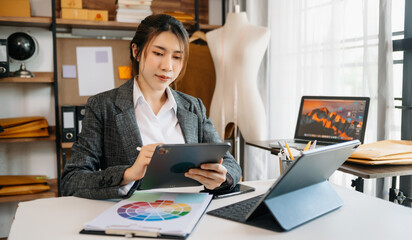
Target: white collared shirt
(163,127)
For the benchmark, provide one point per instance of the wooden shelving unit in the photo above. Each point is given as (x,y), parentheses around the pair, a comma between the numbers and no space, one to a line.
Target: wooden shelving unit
(83,24)
(88,24)
(26,197)
(40,77)
(51,137)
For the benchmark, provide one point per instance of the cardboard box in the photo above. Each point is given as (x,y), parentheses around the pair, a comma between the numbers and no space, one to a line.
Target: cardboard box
(15,8)
(72,13)
(98,15)
(109,5)
(71,4)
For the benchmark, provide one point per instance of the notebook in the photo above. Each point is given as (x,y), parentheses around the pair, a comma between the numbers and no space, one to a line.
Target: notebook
(328,120)
(301,194)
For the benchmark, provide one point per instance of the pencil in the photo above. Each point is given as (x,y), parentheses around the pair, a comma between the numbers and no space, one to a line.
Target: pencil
(290,153)
(313,145)
(307,146)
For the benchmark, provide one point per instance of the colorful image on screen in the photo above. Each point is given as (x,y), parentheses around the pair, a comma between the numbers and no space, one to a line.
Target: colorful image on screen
(332,119)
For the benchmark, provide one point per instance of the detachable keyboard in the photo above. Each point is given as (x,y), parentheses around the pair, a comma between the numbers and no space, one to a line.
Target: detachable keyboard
(237,211)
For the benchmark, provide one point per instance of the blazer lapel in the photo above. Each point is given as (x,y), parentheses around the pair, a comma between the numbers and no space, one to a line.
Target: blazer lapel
(188,121)
(126,119)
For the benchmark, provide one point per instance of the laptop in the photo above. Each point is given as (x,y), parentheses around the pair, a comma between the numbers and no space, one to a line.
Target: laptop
(328,120)
(301,194)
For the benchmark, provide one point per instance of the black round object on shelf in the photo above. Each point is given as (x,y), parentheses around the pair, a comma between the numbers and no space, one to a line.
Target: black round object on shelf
(21,46)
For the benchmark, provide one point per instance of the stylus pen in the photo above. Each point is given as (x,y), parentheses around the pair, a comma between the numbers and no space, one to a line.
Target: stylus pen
(233,193)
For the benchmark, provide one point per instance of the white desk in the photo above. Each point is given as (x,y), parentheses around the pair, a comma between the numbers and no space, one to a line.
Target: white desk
(361,217)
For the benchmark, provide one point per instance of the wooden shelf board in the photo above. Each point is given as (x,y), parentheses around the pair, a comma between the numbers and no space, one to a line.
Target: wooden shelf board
(52,137)
(26,21)
(86,24)
(209,27)
(113,25)
(40,77)
(26,197)
(379,171)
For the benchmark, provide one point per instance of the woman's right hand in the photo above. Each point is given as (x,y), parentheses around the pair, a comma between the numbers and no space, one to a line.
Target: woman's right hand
(139,167)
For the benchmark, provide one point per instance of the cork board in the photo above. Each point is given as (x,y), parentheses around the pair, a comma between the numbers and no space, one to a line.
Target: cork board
(66,55)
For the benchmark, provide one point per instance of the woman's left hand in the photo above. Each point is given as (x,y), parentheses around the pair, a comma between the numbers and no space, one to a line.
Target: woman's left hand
(211,175)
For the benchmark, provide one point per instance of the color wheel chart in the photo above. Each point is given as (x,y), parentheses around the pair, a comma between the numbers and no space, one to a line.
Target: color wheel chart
(159,210)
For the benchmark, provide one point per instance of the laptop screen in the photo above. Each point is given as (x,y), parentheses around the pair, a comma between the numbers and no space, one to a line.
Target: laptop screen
(332,119)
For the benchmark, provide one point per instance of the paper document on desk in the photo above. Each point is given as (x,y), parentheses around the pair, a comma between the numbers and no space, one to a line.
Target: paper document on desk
(174,214)
(391,152)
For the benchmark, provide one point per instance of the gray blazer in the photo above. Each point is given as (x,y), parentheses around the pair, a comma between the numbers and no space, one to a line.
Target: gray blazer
(106,147)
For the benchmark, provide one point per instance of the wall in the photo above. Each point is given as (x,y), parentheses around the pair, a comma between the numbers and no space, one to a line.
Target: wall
(215,12)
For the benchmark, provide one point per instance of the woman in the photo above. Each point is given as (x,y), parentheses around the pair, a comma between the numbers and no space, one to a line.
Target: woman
(143,112)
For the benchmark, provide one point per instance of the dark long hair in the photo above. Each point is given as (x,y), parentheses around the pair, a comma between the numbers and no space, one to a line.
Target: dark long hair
(151,27)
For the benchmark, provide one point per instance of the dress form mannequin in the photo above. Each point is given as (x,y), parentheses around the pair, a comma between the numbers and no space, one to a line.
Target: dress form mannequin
(237,50)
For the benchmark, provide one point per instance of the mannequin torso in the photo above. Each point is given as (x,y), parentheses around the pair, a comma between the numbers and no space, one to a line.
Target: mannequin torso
(237,50)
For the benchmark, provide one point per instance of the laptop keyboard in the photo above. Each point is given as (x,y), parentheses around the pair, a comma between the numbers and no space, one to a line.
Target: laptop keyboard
(237,211)
(317,142)
(300,144)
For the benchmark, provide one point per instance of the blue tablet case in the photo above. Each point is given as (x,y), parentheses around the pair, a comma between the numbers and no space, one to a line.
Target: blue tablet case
(301,194)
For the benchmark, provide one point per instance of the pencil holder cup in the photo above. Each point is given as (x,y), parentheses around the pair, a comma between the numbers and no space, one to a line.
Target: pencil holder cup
(285,164)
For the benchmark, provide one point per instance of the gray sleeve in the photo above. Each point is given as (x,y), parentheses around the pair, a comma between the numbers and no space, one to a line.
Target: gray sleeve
(87,174)
(210,135)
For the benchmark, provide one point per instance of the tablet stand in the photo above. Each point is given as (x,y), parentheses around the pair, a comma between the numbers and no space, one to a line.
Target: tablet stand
(295,208)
